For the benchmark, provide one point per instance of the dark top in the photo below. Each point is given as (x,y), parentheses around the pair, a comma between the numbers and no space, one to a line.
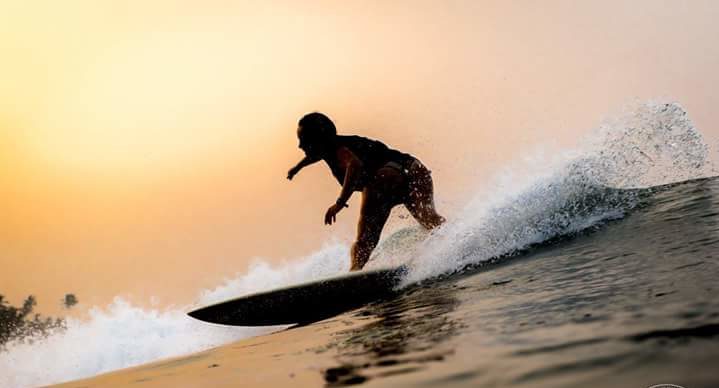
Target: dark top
(372,153)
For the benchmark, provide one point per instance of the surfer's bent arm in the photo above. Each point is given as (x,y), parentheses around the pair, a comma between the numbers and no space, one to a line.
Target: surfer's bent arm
(352,174)
(306,161)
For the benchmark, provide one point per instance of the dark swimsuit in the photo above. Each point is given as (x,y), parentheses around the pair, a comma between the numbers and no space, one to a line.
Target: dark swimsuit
(373,155)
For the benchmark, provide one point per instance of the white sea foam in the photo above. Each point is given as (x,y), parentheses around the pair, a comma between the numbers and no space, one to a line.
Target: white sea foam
(331,259)
(119,336)
(652,144)
(122,335)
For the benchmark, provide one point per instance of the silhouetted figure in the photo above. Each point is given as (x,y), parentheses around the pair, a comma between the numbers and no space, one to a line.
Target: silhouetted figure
(386,178)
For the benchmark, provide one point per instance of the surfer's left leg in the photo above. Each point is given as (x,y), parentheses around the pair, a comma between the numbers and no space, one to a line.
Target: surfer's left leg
(378,198)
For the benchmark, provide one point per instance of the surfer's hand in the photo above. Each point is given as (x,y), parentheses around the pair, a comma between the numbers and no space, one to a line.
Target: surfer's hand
(331,215)
(293,171)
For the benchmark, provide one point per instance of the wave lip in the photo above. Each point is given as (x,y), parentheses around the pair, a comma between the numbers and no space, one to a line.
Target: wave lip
(652,144)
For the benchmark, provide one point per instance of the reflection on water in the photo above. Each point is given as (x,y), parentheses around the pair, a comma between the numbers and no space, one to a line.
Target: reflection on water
(410,331)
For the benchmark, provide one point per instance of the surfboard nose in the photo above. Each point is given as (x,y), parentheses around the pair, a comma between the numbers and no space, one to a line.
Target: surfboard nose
(219,315)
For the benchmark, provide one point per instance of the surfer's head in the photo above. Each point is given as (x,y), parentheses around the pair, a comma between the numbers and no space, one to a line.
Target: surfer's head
(316,133)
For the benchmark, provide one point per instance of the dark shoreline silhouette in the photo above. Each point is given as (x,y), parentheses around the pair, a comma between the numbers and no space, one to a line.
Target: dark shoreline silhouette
(20,324)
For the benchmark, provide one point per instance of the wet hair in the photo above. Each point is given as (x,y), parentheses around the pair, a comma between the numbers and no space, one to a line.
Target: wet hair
(317,126)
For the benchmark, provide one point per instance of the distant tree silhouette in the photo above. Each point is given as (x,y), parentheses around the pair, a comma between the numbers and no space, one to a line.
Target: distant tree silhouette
(16,323)
(70,300)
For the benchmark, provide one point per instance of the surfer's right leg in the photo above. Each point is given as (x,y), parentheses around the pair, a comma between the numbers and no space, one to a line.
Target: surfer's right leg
(378,198)
(420,199)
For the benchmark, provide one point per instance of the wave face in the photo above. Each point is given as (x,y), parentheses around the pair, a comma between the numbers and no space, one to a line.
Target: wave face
(576,190)
(650,145)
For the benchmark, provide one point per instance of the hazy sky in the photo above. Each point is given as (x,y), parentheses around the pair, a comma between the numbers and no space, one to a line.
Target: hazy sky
(149,140)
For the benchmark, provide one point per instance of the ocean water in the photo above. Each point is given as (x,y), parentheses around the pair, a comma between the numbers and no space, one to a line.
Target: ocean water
(633,303)
(595,267)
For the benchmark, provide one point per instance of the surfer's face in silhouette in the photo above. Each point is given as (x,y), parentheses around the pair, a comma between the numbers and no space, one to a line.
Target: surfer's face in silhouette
(312,147)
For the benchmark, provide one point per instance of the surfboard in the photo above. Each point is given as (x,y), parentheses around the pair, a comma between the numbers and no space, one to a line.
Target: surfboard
(306,302)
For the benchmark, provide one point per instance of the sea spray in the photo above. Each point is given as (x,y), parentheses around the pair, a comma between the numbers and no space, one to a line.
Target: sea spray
(331,259)
(650,144)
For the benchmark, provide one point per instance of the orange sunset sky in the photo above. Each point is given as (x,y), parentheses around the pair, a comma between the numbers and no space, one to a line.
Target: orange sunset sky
(144,144)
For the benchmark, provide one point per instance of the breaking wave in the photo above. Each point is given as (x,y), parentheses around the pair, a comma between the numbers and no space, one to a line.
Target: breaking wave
(650,145)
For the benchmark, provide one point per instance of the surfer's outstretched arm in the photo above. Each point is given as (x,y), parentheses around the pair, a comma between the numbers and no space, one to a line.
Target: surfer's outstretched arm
(306,161)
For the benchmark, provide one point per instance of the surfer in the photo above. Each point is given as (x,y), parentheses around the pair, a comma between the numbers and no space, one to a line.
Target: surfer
(386,178)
